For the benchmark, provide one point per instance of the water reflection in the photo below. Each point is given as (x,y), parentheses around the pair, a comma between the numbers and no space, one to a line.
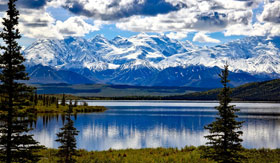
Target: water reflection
(155,126)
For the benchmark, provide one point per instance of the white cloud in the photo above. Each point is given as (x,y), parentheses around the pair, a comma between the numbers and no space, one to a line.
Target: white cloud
(40,24)
(271,13)
(74,26)
(177,35)
(202,37)
(207,16)
(268,23)
(233,17)
(257,29)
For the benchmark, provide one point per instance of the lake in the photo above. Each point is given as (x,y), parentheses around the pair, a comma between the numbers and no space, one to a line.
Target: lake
(149,124)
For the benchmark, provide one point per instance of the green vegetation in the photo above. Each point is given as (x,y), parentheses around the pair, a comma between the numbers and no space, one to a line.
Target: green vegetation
(224,142)
(66,137)
(257,91)
(149,155)
(52,108)
(51,104)
(16,144)
(188,154)
(101,90)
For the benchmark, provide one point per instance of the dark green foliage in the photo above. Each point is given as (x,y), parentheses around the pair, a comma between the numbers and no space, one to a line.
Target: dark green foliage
(160,155)
(148,155)
(56,103)
(67,139)
(36,98)
(70,103)
(224,143)
(63,101)
(44,100)
(85,103)
(257,91)
(76,103)
(16,145)
(47,101)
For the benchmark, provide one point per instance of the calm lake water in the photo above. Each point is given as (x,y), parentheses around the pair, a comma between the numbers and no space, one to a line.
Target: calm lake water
(145,124)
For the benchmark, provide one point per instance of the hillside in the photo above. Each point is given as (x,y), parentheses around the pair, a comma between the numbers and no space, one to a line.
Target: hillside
(101,90)
(257,91)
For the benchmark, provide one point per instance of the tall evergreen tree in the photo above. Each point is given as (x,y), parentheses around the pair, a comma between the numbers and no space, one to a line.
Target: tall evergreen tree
(224,140)
(63,101)
(57,104)
(76,103)
(16,145)
(67,139)
(36,99)
(44,100)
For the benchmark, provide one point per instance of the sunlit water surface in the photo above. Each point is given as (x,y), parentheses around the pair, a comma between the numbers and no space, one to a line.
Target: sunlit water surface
(145,124)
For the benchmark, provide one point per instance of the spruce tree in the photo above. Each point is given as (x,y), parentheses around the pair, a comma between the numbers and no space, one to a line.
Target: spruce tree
(76,103)
(16,145)
(44,100)
(224,143)
(36,99)
(67,139)
(63,101)
(57,104)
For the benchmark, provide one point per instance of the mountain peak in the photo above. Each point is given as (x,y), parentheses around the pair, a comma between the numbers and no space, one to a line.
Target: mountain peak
(253,55)
(99,38)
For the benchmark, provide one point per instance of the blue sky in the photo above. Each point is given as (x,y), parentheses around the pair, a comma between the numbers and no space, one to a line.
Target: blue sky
(203,22)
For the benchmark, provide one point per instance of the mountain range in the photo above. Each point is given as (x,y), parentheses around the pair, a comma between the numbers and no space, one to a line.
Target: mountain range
(151,60)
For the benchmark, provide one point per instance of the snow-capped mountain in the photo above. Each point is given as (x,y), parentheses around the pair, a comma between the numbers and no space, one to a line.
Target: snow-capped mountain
(158,60)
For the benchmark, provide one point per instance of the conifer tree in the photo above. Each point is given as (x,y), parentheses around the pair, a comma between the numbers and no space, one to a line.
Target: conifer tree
(44,100)
(32,97)
(16,145)
(36,99)
(67,139)
(224,143)
(76,103)
(57,104)
(63,101)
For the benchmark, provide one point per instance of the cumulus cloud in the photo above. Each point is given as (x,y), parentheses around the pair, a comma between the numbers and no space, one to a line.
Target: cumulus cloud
(268,23)
(49,28)
(257,29)
(203,38)
(177,35)
(186,19)
(233,17)
(117,9)
(271,13)
(75,26)
(36,22)
(30,4)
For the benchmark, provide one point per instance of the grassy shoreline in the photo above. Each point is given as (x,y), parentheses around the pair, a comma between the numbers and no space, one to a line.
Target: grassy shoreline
(149,155)
(63,109)
(152,98)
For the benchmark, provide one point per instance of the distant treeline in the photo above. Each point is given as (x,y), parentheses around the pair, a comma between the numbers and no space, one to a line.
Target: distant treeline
(257,91)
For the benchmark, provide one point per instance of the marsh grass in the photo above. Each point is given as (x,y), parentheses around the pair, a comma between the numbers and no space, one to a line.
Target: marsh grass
(162,155)
(40,108)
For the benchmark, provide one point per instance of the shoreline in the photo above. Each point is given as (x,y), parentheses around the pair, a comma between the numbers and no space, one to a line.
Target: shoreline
(186,154)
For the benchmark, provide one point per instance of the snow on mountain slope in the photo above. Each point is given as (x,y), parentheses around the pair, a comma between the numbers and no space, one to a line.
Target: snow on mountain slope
(98,50)
(149,59)
(253,55)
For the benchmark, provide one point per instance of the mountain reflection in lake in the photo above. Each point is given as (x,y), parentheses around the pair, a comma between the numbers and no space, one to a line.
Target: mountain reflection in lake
(160,124)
